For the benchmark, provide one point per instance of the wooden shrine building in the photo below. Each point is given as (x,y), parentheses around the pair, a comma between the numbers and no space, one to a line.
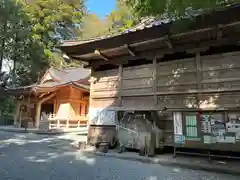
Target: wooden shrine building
(59,100)
(179,78)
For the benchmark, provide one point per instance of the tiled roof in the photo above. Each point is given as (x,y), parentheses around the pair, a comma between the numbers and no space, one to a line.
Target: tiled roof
(74,76)
(66,76)
(57,73)
(147,22)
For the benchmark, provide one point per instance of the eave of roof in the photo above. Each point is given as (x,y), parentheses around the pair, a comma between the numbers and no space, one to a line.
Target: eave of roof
(222,16)
(42,89)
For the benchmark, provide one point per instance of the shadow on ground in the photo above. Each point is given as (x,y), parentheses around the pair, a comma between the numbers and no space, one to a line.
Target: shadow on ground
(43,157)
(42,149)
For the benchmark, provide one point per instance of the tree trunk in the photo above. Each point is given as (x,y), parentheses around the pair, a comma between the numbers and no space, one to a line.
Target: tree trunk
(3,44)
(14,62)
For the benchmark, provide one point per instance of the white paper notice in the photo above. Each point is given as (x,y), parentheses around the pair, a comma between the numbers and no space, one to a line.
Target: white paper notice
(177,116)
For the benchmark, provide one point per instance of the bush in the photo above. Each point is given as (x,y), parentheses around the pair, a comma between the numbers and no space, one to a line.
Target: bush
(6,120)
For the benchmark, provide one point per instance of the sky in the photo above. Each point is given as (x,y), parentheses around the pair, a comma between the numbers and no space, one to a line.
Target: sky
(100,7)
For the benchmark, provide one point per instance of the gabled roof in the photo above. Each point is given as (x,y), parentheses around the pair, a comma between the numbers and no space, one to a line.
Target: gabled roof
(75,74)
(66,75)
(77,77)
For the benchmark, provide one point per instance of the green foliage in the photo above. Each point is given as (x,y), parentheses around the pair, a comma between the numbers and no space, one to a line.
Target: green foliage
(117,21)
(121,18)
(53,21)
(93,26)
(29,30)
(7,105)
(172,8)
(18,45)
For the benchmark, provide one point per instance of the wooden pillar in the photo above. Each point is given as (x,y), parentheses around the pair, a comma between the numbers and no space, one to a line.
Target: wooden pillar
(38,108)
(21,112)
(20,117)
(55,106)
(199,71)
(38,114)
(154,78)
(120,74)
(198,65)
(199,77)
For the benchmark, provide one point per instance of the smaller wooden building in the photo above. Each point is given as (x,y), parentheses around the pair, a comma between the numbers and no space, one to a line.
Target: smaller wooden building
(59,100)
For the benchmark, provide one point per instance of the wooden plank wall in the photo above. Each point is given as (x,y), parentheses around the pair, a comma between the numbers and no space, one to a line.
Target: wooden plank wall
(215,80)
(175,80)
(78,106)
(207,82)
(74,98)
(104,89)
(137,87)
(221,72)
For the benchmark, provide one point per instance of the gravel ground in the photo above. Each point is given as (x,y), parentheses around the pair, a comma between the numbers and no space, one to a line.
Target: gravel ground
(30,156)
